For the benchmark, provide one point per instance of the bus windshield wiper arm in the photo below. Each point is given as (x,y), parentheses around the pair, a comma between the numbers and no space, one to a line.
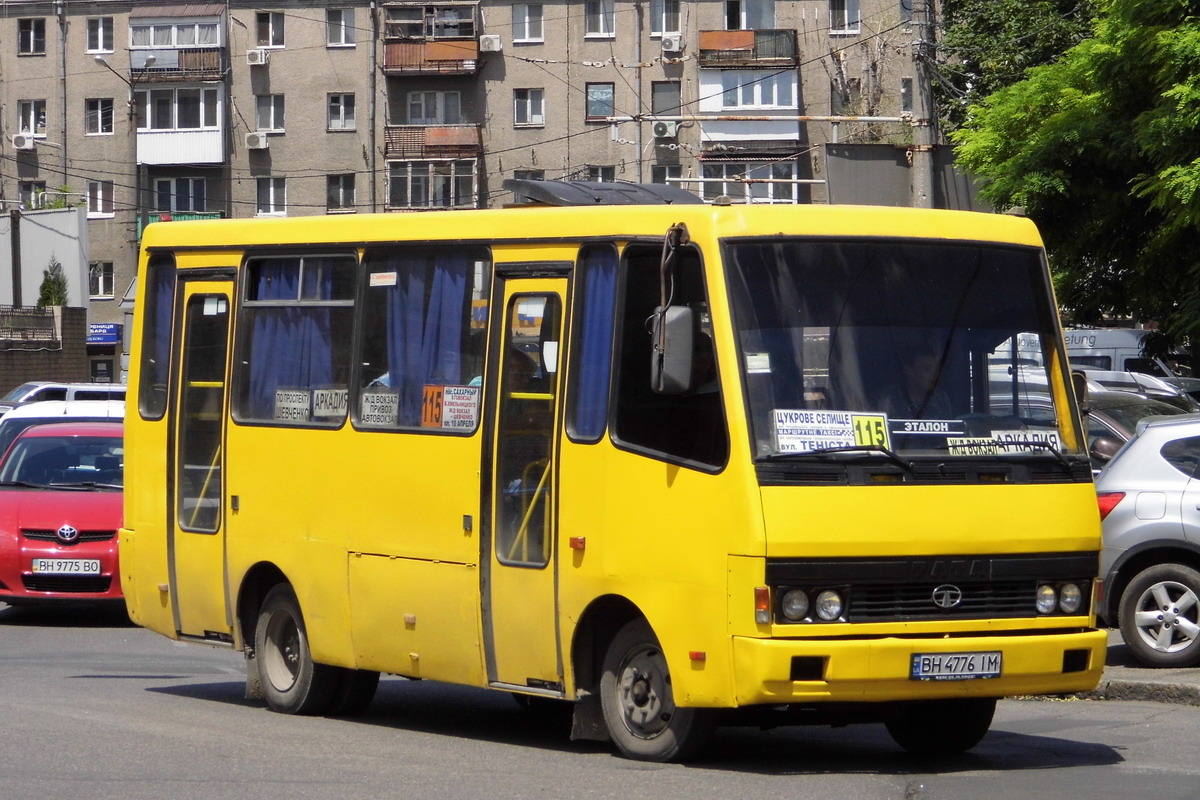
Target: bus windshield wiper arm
(888,453)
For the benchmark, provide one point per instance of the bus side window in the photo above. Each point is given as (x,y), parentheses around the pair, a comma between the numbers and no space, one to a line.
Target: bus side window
(587,397)
(156,336)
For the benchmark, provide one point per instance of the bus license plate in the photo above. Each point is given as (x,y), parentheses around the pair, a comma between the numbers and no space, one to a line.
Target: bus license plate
(954,666)
(66,566)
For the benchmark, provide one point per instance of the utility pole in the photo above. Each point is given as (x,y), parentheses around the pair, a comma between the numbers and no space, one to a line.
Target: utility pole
(14,218)
(924,117)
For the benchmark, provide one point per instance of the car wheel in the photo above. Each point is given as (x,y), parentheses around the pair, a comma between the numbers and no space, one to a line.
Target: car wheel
(942,727)
(639,705)
(291,682)
(1158,616)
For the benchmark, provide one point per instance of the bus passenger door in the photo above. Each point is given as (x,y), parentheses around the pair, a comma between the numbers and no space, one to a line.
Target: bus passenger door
(520,620)
(196,550)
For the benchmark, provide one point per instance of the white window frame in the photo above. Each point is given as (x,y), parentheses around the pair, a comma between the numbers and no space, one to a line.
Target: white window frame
(100,35)
(599,19)
(757,89)
(844,17)
(587,109)
(340,112)
(174,34)
(100,200)
(98,116)
(529,108)
(435,108)
(209,107)
(665,17)
(271,197)
(339,27)
(427,181)
(529,174)
(274,29)
(269,109)
(31,117)
(180,187)
(602,173)
(770,193)
(661,173)
(101,280)
(31,36)
(528,23)
(342,187)
(31,193)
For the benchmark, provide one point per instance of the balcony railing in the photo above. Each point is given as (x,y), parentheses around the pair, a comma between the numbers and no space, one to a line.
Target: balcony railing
(27,328)
(431,57)
(432,141)
(762,48)
(176,64)
(148,217)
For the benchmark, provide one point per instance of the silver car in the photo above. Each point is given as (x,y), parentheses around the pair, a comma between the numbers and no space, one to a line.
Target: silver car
(1149,497)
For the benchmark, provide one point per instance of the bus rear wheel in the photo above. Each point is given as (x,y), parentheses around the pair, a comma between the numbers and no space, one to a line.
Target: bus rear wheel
(291,682)
(639,705)
(942,727)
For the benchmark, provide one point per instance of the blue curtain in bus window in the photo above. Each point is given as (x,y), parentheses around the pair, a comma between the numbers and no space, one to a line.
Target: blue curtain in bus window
(595,342)
(425,325)
(292,346)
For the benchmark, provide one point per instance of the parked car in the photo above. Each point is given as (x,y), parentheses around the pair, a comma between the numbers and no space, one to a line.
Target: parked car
(1112,419)
(60,509)
(48,411)
(1150,566)
(1182,392)
(40,391)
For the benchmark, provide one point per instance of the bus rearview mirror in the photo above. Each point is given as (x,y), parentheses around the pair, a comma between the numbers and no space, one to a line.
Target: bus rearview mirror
(673,339)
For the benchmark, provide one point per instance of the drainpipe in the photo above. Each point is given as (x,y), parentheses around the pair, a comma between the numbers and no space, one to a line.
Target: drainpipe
(61,12)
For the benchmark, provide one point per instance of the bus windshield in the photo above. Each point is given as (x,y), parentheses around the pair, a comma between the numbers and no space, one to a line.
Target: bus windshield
(913,348)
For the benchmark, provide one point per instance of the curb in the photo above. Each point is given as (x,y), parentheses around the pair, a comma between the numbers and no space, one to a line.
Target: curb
(1179,694)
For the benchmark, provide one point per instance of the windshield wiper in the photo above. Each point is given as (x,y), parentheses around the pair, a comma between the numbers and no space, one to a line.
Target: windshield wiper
(888,453)
(28,484)
(84,485)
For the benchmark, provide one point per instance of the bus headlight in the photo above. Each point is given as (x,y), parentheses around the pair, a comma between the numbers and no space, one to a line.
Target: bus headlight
(1047,599)
(829,605)
(794,605)
(1070,598)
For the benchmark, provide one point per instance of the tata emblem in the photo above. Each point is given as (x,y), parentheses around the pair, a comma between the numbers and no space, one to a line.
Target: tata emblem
(947,596)
(66,534)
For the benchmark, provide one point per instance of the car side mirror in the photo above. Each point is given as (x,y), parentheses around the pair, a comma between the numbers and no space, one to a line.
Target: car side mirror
(1105,447)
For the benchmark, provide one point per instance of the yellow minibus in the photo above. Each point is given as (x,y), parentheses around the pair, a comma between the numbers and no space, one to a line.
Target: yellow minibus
(674,464)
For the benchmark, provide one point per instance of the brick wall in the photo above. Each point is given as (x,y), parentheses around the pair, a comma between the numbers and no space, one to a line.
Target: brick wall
(64,359)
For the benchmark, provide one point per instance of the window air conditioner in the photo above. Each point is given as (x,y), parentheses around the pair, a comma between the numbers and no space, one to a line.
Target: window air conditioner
(22,141)
(672,43)
(257,140)
(666,130)
(257,58)
(491,43)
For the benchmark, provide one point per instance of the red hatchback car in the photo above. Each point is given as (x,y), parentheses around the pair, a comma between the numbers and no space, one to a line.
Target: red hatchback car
(60,508)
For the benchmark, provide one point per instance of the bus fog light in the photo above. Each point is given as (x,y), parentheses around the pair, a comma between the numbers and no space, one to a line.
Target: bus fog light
(1070,598)
(1047,599)
(829,605)
(794,605)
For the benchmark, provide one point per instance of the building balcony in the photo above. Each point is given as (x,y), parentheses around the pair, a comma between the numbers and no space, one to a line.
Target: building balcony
(431,57)
(176,64)
(432,141)
(148,217)
(761,49)
(199,146)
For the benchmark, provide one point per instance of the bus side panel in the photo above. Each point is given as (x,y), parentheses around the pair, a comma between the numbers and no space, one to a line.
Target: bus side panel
(144,538)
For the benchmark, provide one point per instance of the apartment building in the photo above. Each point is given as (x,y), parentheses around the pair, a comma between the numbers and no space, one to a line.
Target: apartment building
(146,111)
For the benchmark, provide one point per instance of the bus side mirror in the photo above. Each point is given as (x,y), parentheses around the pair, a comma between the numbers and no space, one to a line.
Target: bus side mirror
(1079,383)
(672,341)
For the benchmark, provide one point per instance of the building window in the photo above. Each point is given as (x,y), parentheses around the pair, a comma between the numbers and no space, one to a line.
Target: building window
(31,117)
(31,193)
(98,115)
(175,35)
(599,19)
(341,112)
(529,174)
(180,194)
(528,108)
(100,198)
(177,109)
(664,17)
(268,112)
(272,196)
(843,16)
(430,22)
(749,15)
(269,25)
(527,22)
(757,89)
(434,108)
(100,279)
(601,174)
(100,34)
(665,98)
(664,173)
(339,27)
(906,95)
(339,192)
(31,37)
(600,103)
(727,178)
(431,184)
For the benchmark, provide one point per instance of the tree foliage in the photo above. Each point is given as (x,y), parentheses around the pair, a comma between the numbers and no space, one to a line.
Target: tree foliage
(1102,148)
(53,291)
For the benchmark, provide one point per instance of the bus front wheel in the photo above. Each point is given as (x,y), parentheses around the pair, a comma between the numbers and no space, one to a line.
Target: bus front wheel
(291,682)
(639,705)
(942,727)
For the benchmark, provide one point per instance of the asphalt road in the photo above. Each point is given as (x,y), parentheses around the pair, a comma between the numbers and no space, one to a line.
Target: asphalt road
(91,707)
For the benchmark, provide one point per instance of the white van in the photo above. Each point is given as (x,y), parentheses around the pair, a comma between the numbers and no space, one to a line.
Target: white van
(40,391)
(49,411)
(1117,350)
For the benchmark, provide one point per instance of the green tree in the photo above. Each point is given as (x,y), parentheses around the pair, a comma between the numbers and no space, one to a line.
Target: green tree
(53,291)
(1102,149)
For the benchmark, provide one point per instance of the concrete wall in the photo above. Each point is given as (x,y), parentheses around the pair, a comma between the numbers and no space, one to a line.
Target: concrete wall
(59,233)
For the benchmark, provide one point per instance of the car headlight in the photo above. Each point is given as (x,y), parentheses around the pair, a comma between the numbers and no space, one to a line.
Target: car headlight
(794,604)
(1070,598)
(829,605)
(1047,599)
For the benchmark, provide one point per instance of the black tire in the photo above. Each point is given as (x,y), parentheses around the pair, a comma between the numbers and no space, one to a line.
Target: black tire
(639,705)
(291,682)
(942,727)
(1159,616)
